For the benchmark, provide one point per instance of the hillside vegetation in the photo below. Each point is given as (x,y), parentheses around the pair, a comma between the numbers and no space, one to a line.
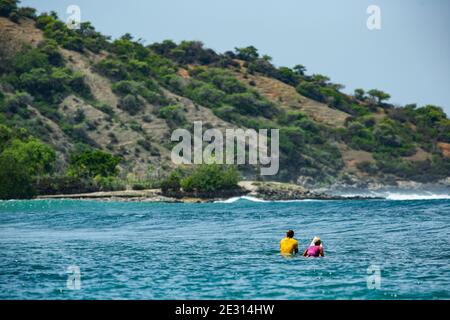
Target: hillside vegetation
(82,112)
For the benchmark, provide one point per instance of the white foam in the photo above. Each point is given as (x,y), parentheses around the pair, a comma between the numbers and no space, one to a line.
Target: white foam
(248,198)
(253,199)
(387,195)
(416,196)
(398,196)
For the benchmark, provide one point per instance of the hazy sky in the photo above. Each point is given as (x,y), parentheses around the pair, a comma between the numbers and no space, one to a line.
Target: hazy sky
(408,58)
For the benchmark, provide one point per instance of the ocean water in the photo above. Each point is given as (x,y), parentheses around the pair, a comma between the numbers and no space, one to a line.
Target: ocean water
(377,249)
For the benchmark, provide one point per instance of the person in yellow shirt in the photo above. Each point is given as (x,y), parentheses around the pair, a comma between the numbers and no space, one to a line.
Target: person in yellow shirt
(289,245)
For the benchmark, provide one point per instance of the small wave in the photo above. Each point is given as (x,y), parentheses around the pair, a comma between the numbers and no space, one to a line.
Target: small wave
(253,199)
(248,198)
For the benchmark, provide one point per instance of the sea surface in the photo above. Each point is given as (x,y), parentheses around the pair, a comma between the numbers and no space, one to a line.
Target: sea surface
(376,249)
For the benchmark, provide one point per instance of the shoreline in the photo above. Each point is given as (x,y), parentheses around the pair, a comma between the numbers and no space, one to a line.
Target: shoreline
(266,191)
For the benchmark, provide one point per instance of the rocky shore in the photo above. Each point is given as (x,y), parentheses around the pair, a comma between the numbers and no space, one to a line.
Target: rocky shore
(274,191)
(261,190)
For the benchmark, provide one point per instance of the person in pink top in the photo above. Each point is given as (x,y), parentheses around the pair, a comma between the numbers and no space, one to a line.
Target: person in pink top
(315,249)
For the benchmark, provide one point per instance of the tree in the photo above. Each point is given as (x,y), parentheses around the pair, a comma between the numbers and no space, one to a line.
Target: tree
(30,58)
(207,95)
(50,48)
(320,79)
(7,7)
(92,163)
(164,47)
(288,76)
(18,102)
(172,182)
(46,83)
(15,182)
(6,135)
(27,12)
(378,95)
(249,53)
(360,94)
(34,156)
(174,115)
(267,58)
(22,163)
(300,69)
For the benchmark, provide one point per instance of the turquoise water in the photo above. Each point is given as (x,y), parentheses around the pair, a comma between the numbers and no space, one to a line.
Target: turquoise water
(224,250)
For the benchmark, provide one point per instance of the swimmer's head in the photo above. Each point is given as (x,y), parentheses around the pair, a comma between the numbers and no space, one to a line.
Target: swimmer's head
(290,234)
(317,241)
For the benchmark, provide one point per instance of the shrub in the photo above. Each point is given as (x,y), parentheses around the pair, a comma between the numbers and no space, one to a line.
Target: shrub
(131,104)
(93,163)
(249,103)
(113,68)
(174,115)
(53,84)
(15,182)
(50,185)
(207,95)
(221,79)
(18,103)
(36,157)
(135,88)
(211,178)
(109,183)
(311,90)
(189,52)
(29,59)
(172,182)
(79,116)
(144,143)
(105,108)
(127,87)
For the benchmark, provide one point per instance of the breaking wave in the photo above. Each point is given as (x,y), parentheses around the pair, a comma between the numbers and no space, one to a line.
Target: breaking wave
(248,198)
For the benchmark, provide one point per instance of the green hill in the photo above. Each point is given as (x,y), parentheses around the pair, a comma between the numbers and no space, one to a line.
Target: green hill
(79,111)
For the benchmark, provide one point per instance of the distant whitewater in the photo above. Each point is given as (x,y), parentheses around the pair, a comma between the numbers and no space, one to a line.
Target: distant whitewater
(402,195)
(399,196)
(387,195)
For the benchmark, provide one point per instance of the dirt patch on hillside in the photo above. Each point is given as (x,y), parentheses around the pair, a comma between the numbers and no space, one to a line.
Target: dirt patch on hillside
(353,157)
(287,97)
(23,32)
(183,73)
(445,148)
(420,155)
